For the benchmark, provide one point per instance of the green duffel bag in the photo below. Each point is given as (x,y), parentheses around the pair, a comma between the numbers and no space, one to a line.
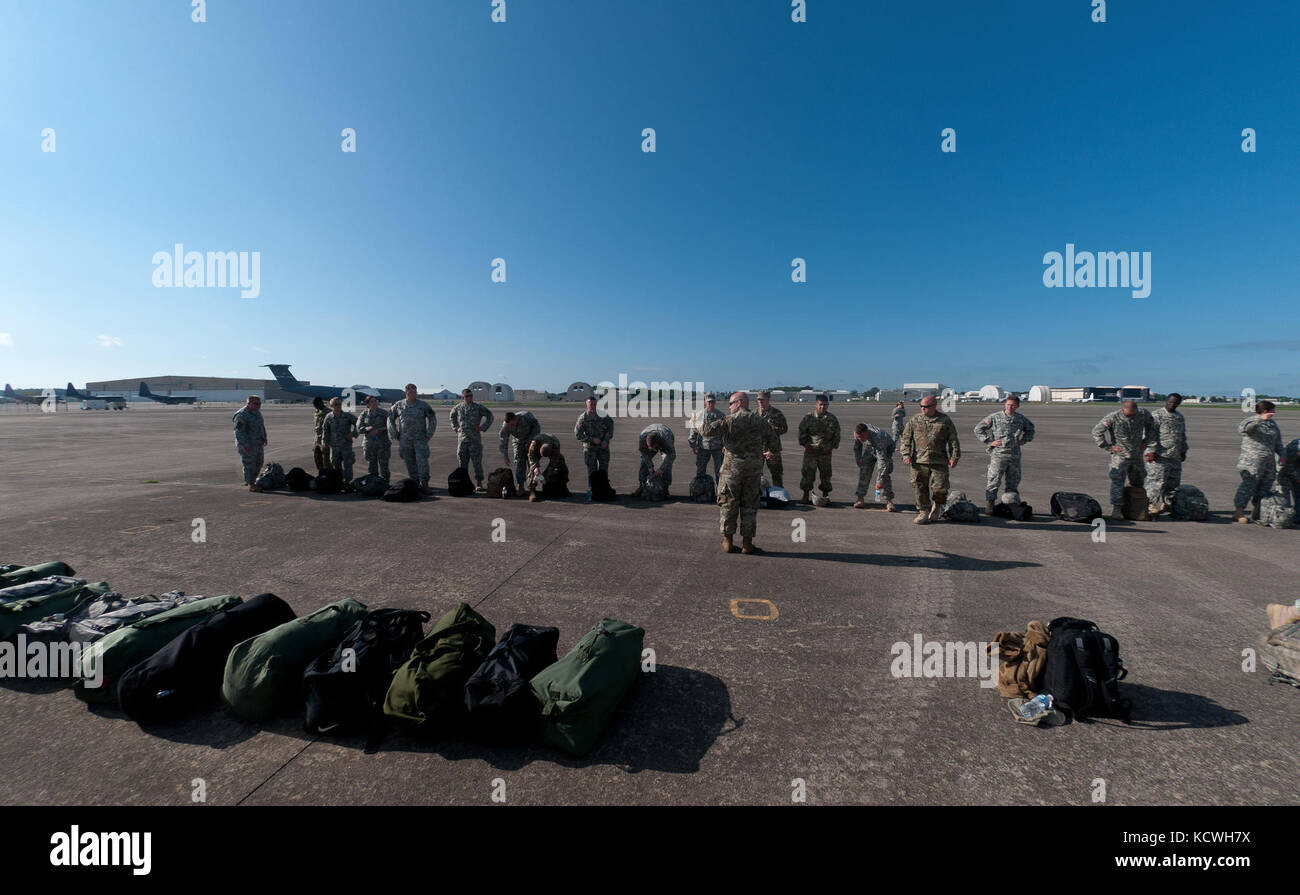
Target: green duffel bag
(22,574)
(428,690)
(578,694)
(107,659)
(15,614)
(264,673)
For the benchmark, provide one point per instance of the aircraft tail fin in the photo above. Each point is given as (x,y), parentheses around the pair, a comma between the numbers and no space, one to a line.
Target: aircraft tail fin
(73,394)
(144,389)
(282,374)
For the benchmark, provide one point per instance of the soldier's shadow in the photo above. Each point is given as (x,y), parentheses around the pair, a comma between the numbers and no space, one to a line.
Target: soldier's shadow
(944,560)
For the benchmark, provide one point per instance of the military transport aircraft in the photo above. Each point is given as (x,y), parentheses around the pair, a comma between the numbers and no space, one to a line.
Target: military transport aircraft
(165,399)
(290,384)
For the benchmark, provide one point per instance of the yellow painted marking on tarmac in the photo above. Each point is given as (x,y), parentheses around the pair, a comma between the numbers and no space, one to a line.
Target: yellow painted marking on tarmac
(138,529)
(771,607)
(256,503)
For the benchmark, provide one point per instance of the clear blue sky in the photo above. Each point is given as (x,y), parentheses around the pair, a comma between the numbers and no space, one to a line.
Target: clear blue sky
(775,140)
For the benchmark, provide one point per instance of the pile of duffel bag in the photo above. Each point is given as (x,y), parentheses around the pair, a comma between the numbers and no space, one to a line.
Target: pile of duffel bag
(355,671)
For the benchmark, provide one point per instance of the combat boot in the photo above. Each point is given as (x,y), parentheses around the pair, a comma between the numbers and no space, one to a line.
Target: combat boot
(1155,509)
(532,494)
(859,504)
(889,507)
(255,488)
(1239,515)
(992,504)
(747,546)
(936,511)
(807,498)
(922,517)
(1116,512)
(727,546)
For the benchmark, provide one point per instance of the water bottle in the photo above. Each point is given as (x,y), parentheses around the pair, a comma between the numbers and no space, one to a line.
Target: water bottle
(1037,707)
(877,494)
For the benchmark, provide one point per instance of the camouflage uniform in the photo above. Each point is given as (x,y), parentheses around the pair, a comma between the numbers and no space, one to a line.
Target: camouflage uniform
(320,450)
(666,448)
(776,419)
(1132,435)
(557,468)
(338,432)
(929,445)
(877,449)
(469,421)
(1165,473)
(1289,477)
(377,447)
(589,426)
(822,434)
(746,436)
(1261,441)
(1004,460)
(515,444)
(413,423)
(899,417)
(250,438)
(706,446)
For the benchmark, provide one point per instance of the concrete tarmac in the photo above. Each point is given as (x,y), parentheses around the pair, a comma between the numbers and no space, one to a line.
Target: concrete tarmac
(773,672)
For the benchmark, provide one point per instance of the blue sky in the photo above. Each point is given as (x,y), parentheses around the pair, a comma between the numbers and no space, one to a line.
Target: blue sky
(775,140)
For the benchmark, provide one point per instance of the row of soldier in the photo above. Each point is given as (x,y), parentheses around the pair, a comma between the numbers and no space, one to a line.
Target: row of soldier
(1146,450)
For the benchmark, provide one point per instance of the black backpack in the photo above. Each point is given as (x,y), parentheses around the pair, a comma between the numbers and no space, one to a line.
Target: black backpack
(297,479)
(601,490)
(187,672)
(459,484)
(1017,512)
(500,703)
(405,491)
(329,481)
(1084,670)
(345,691)
(1070,506)
(369,486)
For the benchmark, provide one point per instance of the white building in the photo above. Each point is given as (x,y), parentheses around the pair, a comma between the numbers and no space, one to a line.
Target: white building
(1040,393)
(992,393)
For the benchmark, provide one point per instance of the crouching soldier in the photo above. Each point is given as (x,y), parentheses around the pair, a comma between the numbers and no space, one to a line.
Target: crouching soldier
(655,440)
(553,481)
(377,446)
(338,431)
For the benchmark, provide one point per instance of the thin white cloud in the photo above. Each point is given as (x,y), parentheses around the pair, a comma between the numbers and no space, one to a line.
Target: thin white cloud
(259,350)
(6,340)
(110,341)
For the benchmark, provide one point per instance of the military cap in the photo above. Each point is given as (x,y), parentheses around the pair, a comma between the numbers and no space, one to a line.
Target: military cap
(765,393)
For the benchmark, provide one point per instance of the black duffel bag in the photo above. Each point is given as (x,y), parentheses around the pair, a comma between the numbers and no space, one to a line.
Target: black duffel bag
(1071,506)
(500,703)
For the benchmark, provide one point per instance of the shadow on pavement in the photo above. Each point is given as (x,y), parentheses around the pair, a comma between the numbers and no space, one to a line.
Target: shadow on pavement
(944,560)
(1155,709)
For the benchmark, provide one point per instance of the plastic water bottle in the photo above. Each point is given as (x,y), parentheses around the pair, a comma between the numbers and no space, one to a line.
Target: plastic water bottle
(877,494)
(1037,707)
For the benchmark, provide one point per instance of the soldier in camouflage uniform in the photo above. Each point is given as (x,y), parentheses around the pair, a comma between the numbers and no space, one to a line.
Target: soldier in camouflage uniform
(1124,434)
(775,419)
(1289,476)
(873,447)
(412,422)
(1164,458)
(930,448)
(1004,433)
(819,434)
(1261,441)
(899,418)
(748,440)
(337,431)
(517,432)
(594,432)
(554,481)
(469,420)
(377,446)
(250,439)
(320,451)
(706,446)
(655,439)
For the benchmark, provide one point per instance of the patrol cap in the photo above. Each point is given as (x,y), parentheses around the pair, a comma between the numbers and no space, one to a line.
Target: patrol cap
(765,393)
(710,396)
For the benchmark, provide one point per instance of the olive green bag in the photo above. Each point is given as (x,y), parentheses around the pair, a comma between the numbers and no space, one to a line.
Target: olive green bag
(428,689)
(107,659)
(263,674)
(16,613)
(19,574)
(579,694)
